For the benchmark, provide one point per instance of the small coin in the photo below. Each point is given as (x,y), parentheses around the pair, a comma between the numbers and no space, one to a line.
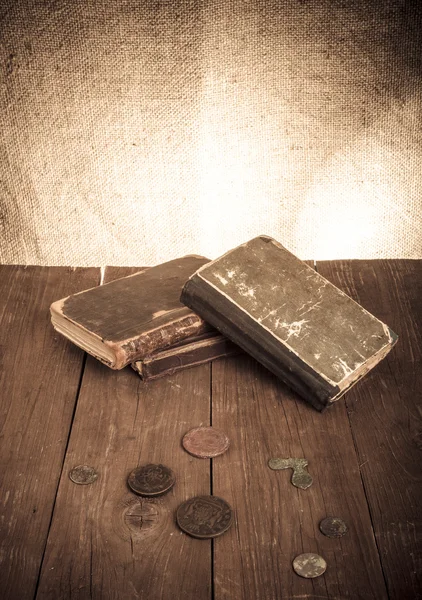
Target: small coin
(333,527)
(300,476)
(151,480)
(204,516)
(205,442)
(301,479)
(83,475)
(278,464)
(309,565)
(281,463)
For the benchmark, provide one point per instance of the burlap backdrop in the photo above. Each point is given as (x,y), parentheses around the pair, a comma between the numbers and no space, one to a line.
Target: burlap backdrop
(137,131)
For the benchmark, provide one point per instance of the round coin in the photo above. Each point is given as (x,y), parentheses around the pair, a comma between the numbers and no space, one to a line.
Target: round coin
(205,442)
(333,527)
(309,565)
(151,480)
(301,479)
(83,475)
(204,516)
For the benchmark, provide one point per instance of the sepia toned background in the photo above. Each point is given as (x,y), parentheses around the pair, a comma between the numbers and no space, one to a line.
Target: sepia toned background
(133,132)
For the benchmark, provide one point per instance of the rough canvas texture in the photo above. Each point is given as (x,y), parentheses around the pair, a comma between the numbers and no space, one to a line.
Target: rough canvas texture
(133,132)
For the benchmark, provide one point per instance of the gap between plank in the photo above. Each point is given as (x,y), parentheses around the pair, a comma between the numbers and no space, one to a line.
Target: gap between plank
(81,375)
(211,460)
(211,491)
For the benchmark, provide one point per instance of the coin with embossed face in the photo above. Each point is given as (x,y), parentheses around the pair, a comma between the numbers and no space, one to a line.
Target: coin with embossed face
(309,565)
(204,516)
(333,527)
(151,480)
(83,475)
(205,442)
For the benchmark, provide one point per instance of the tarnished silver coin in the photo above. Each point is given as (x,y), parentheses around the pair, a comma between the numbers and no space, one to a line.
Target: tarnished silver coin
(333,527)
(83,475)
(301,479)
(300,476)
(281,463)
(204,516)
(205,442)
(151,480)
(309,565)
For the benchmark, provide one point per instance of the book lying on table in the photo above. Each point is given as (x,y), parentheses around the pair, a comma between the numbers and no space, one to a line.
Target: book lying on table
(192,351)
(129,318)
(291,319)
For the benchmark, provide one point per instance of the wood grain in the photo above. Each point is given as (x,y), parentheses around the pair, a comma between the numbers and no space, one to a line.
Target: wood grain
(106,542)
(39,378)
(385,413)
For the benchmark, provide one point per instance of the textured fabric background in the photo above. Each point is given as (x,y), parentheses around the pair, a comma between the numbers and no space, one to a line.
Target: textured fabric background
(136,131)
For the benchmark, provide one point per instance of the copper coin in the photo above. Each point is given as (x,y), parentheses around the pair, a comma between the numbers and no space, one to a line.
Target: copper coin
(333,527)
(83,475)
(309,565)
(151,480)
(205,442)
(204,516)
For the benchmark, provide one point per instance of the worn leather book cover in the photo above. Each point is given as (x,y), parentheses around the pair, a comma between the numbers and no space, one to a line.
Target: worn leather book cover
(192,351)
(129,318)
(291,319)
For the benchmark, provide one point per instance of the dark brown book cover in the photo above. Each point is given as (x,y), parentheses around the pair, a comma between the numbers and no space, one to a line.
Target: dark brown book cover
(290,318)
(192,351)
(129,318)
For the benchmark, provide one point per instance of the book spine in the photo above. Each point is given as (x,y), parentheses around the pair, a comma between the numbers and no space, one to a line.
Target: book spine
(190,355)
(141,346)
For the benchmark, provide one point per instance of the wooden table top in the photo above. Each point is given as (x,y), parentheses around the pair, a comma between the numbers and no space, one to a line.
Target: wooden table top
(59,409)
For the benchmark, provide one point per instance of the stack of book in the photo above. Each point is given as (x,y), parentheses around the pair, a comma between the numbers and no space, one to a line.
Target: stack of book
(258,298)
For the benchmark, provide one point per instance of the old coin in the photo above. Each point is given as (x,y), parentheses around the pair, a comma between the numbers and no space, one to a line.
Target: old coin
(300,476)
(333,527)
(83,475)
(151,480)
(205,442)
(309,565)
(204,516)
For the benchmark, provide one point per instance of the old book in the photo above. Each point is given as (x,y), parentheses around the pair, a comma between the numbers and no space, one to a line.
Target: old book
(292,320)
(190,352)
(129,318)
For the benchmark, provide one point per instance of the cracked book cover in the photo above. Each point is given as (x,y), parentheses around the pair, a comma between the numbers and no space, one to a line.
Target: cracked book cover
(291,319)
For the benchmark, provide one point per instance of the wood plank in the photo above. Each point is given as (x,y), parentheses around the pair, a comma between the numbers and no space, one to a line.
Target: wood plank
(106,542)
(274,520)
(39,377)
(386,415)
